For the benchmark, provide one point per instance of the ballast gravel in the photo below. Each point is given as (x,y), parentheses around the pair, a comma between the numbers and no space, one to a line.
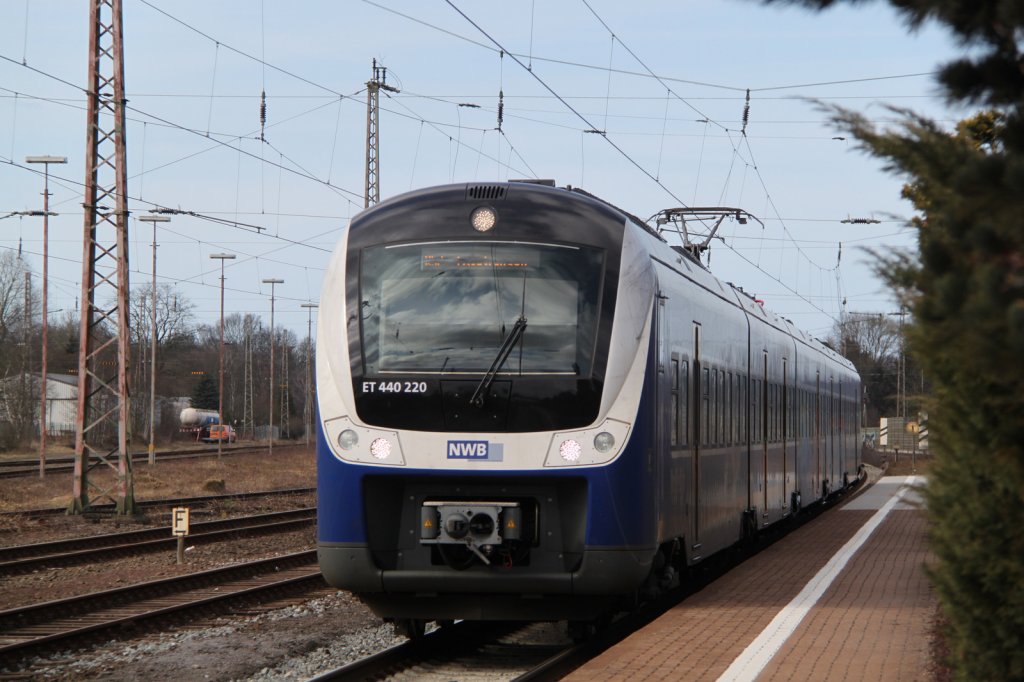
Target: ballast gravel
(295,642)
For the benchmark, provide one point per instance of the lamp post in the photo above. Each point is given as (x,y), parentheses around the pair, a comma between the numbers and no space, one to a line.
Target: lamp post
(220,405)
(309,383)
(270,418)
(154,219)
(46,161)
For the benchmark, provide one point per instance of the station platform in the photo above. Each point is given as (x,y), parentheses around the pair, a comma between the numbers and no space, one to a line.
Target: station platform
(844,597)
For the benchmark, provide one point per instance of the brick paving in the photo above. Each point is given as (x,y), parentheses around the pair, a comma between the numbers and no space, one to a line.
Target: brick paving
(871,623)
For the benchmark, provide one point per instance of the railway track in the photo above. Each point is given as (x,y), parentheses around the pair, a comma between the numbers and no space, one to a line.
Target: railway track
(467,650)
(15,468)
(67,623)
(22,558)
(168,502)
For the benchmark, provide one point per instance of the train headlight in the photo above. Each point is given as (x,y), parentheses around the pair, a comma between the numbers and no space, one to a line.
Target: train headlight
(570,450)
(347,439)
(604,442)
(352,442)
(483,218)
(588,447)
(380,448)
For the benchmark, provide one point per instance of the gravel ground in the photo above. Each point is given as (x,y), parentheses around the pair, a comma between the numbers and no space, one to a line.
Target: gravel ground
(295,642)
(264,643)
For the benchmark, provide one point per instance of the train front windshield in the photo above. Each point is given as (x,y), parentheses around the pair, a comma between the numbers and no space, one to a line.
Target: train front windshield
(455,307)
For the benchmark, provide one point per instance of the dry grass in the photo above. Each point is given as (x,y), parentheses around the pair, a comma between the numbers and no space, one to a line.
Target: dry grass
(290,467)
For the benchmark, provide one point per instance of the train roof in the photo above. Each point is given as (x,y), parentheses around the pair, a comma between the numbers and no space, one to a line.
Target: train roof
(745,300)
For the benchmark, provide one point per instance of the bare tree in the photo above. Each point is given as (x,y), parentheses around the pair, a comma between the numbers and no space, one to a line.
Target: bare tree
(173,327)
(872,343)
(17,337)
(174,314)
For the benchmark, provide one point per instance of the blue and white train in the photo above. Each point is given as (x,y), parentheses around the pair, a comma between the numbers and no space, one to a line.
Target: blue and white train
(531,406)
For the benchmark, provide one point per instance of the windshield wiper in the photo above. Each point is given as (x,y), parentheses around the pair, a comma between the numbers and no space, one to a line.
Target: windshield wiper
(503,352)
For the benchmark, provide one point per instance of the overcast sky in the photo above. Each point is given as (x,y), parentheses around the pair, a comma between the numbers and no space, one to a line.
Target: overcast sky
(195,70)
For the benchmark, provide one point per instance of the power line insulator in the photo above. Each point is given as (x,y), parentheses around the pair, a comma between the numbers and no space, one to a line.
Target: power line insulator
(746,112)
(501,108)
(263,112)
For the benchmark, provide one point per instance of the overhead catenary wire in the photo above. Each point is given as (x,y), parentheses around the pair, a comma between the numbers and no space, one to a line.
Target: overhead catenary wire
(510,125)
(547,87)
(597,67)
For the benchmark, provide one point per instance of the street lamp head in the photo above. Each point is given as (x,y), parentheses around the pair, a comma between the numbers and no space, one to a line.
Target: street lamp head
(223,256)
(273,280)
(46,159)
(155,218)
(309,305)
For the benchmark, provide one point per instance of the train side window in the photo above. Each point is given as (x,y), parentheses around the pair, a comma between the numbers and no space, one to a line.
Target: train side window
(705,410)
(743,408)
(779,414)
(684,406)
(674,431)
(755,412)
(723,398)
(729,417)
(720,408)
(789,413)
(713,437)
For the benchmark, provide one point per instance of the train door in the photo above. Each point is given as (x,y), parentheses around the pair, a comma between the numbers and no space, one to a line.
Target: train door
(700,417)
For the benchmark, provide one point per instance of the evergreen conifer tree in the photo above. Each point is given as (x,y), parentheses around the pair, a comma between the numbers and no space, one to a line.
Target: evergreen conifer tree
(965,289)
(205,395)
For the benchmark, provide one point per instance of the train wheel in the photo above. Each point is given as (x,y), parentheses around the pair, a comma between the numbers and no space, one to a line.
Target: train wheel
(582,630)
(412,628)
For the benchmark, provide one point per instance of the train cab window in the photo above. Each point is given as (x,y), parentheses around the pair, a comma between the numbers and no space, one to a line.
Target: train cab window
(481,290)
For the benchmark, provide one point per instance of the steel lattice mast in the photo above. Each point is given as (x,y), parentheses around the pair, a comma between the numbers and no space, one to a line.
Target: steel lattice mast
(102,423)
(373,88)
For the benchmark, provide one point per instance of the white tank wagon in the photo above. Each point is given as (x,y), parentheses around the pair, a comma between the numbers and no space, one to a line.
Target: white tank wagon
(193,417)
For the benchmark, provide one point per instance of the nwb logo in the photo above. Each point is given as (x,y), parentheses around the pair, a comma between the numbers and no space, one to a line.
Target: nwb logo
(475,449)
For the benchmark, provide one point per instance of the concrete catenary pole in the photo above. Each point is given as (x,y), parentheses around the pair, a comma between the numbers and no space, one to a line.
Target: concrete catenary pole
(220,404)
(308,411)
(154,219)
(46,161)
(270,415)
